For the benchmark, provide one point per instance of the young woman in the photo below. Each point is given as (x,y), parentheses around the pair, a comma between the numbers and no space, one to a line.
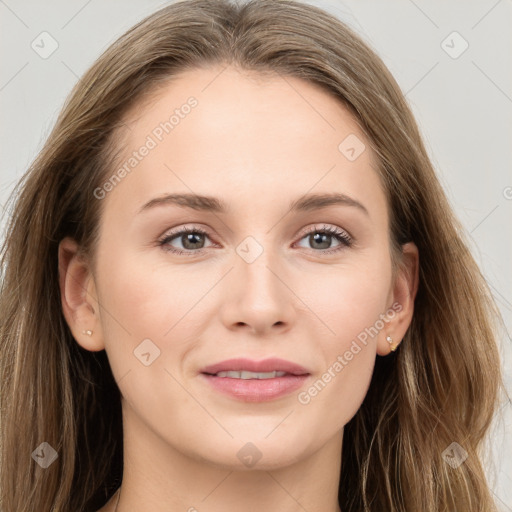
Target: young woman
(233,281)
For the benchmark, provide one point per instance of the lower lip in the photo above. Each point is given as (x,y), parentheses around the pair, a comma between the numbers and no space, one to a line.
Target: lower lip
(256,390)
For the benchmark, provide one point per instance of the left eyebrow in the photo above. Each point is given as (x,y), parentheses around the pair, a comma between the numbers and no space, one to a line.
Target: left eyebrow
(315,201)
(306,202)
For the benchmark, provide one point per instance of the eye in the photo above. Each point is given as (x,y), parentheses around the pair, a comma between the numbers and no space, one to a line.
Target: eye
(191,239)
(322,238)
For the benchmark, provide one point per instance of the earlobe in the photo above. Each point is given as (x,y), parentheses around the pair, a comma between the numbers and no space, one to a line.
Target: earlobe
(392,345)
(403,294)
(78,297)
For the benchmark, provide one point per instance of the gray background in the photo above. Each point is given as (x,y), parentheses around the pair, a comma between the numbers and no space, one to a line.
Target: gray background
(461,99)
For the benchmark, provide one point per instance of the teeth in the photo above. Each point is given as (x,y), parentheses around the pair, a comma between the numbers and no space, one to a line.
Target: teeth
(250,375)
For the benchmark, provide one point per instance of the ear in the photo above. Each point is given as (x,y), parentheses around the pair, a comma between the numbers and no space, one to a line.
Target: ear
(78,296)
(402,298)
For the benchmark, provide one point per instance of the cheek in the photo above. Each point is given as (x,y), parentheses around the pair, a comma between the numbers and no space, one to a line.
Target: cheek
(348,299)
(141,302)
(350,302)
(146,299)
(165,304)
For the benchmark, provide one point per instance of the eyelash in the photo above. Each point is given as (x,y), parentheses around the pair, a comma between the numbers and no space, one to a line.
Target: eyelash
(344,239)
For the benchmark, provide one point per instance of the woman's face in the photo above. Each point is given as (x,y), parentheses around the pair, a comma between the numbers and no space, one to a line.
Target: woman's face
(259,277)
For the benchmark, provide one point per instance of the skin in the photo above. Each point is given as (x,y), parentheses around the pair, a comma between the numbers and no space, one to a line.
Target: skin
(257,142)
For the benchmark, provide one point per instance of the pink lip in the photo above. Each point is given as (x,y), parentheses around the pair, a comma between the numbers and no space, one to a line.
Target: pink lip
(256,390)
(266,365)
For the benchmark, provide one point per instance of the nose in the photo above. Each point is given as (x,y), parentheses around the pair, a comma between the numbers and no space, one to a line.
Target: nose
(257,298)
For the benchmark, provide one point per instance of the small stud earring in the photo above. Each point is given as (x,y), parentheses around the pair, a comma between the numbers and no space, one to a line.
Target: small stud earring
(89,333)
(393,347)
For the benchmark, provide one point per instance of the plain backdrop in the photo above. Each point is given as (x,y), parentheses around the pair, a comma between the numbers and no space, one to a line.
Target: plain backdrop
(453,61)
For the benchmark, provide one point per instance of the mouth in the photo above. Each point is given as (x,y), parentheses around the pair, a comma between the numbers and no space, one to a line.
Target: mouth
(255,381)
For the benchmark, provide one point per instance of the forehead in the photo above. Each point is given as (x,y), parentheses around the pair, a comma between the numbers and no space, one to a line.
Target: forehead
(240,93)
(231,131)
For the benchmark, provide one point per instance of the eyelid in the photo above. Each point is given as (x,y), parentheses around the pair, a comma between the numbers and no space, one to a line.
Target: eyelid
(326,227)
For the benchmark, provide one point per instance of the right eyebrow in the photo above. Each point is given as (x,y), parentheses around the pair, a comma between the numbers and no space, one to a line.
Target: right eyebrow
(193,201)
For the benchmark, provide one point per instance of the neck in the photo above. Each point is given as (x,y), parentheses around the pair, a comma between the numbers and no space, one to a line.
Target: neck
(159,477)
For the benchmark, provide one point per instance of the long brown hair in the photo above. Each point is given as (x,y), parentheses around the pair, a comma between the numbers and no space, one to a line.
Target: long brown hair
(441,385)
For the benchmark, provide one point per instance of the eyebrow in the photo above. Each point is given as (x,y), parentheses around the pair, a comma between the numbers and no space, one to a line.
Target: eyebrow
(306,202)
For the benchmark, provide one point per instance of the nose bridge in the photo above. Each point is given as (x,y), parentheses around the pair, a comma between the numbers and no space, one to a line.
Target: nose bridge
(256,294)
(257,268)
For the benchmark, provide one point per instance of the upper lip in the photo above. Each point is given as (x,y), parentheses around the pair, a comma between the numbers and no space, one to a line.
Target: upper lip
(266,365)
